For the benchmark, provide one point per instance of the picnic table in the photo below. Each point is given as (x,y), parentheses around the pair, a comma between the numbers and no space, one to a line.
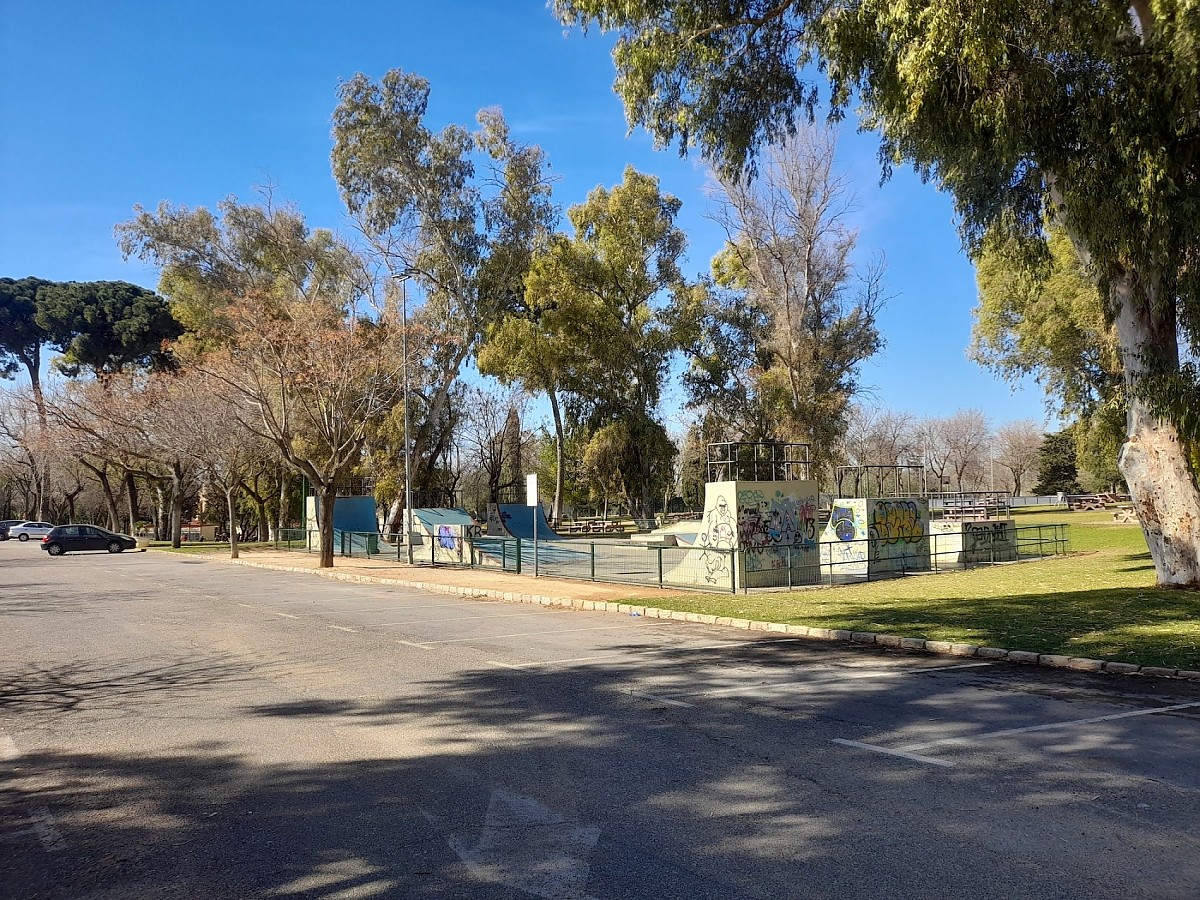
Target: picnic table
(1124,514)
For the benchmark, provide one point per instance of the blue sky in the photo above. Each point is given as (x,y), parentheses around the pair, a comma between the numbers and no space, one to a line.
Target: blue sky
(110,105)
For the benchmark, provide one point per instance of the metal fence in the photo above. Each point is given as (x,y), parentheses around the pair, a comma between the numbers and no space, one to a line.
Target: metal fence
(709,569)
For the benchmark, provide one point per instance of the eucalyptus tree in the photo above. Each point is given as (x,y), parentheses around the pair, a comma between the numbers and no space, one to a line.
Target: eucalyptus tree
(1046,318)
(1085,115)
(616,307)
(457,213)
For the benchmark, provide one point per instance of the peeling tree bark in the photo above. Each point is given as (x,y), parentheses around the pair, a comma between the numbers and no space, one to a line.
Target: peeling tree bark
(1153,459)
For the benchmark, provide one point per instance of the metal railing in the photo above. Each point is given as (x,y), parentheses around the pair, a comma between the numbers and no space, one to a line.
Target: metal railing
(704,568)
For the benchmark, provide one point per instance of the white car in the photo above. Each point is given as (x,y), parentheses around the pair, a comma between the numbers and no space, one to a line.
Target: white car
(26,530)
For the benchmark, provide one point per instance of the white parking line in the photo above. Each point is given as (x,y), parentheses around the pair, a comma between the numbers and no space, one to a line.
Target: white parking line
(657,699)
(286,615)
(451,619)
(411,644)
(907,751)
(342,628)
(901,753)
(972,738)
(496,637)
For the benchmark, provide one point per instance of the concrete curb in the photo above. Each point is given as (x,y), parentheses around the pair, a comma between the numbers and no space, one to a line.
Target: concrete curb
(917,645)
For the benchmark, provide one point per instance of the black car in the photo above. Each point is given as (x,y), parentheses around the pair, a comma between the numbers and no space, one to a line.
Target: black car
(7,524)
(63,538)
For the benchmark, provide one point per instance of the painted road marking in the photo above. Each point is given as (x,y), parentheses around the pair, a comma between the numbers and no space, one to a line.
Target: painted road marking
(656,699)
(550,662)
(907,751)
(411,644)
(43,826)
(968,739)
(285,615)
(901,753)
(341,628)
(496,637)
(444,621)
(829,677)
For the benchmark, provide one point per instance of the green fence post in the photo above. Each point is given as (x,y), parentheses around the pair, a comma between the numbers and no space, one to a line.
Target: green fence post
(518,556)
(593,544)
(660,550)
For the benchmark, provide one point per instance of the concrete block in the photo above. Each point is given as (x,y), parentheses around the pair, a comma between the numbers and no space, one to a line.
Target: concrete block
(1189,674)
(824,634)
(695,617)
(840,634)
(1022,656)
(1120,668)
(1083,664)
(724,620)
(991,653)
(938,646)
(756,625)
(887,640)
(863,637)
(963,649)
(1159,671)
(708,620)
(1053,659)
(801,630)
(777,626)
(912,643)
(740,623)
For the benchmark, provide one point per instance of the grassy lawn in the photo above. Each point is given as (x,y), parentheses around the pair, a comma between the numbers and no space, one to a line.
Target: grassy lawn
(1099,602)
(204,546)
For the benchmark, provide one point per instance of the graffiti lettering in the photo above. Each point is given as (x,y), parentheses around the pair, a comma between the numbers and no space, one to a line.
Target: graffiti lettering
(893,521)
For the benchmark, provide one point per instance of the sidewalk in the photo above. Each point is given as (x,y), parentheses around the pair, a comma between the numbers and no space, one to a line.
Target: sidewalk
(478,581)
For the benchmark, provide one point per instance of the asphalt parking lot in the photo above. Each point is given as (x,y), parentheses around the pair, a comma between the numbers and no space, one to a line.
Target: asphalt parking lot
(481,748)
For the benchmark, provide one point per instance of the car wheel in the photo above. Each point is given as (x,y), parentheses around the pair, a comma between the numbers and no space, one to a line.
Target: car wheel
(55,550)
(22,537)
(115,547)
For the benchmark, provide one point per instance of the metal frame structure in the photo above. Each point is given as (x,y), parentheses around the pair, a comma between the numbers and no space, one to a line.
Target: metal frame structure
(758,461)
(896,480)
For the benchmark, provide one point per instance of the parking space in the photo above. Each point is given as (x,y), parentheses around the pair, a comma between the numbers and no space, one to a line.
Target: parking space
(750,762)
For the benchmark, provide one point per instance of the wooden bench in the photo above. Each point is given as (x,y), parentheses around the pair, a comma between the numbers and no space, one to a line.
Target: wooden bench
(1124,514)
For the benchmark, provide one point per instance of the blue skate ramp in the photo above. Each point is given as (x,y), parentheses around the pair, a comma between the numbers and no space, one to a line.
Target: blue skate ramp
(519,522)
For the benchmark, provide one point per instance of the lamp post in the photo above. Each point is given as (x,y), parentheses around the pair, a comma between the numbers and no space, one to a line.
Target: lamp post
(401,278)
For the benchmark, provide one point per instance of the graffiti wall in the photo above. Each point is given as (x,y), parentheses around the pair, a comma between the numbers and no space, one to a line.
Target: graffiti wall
(973,543)
(865,537)
(750,533)
(777,531)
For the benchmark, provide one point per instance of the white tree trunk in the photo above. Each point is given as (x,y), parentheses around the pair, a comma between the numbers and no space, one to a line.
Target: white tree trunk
(1153,459)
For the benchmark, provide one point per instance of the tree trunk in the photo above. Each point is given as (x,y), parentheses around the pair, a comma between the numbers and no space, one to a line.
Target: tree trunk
(325,501)
(131,494)
(159,509)
(1153,459)
(231,506)
(559,456)
(101,473)
(285,483)
(176,505)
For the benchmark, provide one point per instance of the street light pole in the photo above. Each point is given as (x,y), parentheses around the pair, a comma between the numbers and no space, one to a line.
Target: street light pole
(402,279)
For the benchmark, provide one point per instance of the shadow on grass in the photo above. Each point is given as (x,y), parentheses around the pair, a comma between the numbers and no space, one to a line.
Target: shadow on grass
(1147,626)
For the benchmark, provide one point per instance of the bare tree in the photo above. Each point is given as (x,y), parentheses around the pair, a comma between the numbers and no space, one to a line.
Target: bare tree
(1016,449)
(966,436)
(789,248)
